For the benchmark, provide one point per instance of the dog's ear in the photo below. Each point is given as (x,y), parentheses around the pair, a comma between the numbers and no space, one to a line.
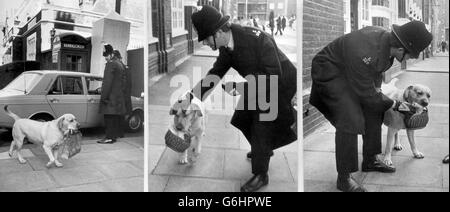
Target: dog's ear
(190,96)
(409,94)
(173,112)
(198,112)
(61,123)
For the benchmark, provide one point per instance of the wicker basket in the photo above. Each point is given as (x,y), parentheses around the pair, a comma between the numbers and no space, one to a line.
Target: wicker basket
(417,121)
(72,146)
(176,143)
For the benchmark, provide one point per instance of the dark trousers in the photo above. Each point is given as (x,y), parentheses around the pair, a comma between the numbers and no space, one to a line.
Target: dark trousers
(113,126)
(260,147)
(347,144)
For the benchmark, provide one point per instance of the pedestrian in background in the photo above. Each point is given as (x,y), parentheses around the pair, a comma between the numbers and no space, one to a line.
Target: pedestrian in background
(283,23)
(127,86)
(272,22)
(279,26)
(112,101)
(443,46)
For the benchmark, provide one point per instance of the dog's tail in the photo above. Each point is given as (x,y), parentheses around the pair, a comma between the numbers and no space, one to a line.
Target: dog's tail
(11,114)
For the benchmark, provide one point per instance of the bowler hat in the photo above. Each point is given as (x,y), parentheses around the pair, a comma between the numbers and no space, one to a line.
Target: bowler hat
(414,36)
(107,50)
(208,21)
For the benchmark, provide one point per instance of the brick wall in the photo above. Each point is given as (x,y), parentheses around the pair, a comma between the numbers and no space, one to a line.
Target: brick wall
(323,21)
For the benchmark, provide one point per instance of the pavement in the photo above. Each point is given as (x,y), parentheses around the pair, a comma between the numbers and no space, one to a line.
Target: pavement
(427,175)
(98,168)
(223,166)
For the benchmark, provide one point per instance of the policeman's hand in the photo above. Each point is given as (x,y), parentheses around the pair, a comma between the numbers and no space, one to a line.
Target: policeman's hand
(231,88)
(402,106)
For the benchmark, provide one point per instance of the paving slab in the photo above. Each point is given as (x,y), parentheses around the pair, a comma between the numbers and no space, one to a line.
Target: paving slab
(94,187)
(119,170)
(209,165)
(77,176)
(13,166)
(134,184)
(155,152)
(157,183)
(410,172)
(321,166)
(26,182)
(182,184)
(126,154)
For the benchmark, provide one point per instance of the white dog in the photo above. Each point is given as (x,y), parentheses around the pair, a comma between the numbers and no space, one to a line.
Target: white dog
(50,134)
(189,118)
(417,95)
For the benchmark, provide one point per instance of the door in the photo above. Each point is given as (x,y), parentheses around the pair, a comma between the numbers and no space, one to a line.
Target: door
(94,85)
(67,97)
(75,62)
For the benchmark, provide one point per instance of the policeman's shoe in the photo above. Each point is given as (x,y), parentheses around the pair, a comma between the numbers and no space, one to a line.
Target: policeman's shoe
(377,166)
(256,183)
(346,183)
(250,156)
(107,141)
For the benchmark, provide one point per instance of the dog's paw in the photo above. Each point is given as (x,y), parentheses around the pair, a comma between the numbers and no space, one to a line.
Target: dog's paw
(183,160)
(388,161)
(398,147)
(22,161)
(58,164)
(50,164)
(418,155)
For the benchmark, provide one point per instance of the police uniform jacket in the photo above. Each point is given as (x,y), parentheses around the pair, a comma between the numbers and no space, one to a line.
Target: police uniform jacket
(112,101)
(345,76)
(255,54)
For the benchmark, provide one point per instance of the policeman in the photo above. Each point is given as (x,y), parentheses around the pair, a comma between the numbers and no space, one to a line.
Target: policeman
(253,53)
(347,77)
(112,100)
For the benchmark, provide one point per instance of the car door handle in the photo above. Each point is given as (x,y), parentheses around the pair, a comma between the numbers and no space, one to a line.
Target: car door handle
(54,100)
(91,100)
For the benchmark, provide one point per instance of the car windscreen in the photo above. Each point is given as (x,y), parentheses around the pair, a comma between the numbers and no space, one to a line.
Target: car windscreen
(24,82)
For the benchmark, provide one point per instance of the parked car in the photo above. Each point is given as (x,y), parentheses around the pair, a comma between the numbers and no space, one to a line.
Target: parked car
(46,95)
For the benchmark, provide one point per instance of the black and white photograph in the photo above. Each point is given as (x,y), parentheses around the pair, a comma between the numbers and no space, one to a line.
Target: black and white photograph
(222,88)
(378,69)
(71,97)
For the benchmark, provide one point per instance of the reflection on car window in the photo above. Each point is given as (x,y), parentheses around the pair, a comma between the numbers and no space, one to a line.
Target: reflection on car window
(24,82)
(94,85)
(67,86)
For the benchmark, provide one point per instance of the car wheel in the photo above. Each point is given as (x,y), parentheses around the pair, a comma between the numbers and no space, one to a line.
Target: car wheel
(135,122)
(42,118)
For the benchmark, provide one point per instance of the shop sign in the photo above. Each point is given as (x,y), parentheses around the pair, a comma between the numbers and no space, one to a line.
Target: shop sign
(31,47)
(73,46)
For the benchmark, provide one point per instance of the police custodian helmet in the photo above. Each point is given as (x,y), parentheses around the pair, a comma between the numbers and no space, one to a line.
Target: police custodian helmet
(208,21)
(414,36)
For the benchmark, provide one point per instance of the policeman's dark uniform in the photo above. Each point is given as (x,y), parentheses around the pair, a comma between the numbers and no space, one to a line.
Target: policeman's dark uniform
(256,54)
(112,101)
(345,76)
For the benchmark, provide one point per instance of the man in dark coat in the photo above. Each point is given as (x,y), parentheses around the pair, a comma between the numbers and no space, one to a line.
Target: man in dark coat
(254,54)
(112,101)
(283,23)
(272,22)
(347,77)
(127,86)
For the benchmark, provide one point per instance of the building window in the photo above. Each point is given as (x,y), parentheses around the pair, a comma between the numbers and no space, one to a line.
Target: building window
(177,17)
(74,63)
(383,3)
(402,9)
(381,22)
(365,10)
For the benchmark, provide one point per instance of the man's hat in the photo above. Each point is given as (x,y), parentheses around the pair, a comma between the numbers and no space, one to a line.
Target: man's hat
(208,21)
(107,50)
(117,54)
(414,36)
